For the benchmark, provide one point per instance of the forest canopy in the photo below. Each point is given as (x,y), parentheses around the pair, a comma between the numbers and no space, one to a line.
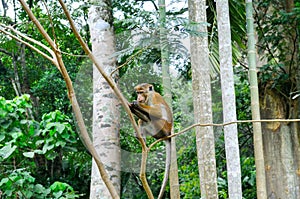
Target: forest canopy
(42,151)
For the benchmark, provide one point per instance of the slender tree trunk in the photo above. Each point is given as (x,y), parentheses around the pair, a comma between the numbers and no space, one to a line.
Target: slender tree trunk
(106,112)
(257,132)
(5,7)
(25,83)
(228,99)
(203,103)
(166,79)
(16,79)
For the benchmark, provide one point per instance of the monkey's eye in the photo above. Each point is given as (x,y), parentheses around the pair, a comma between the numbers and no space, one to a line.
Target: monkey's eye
(139,92)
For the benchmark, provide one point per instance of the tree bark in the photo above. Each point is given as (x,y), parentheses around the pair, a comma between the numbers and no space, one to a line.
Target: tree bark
(281,147)
(106,112)
(228,100)
(257,132)
(166,79)
(280,99)
(202,100)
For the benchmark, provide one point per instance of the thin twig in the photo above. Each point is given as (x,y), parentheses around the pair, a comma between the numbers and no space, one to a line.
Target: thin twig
(221,124)
(31,46)
(129,60)
(73,55)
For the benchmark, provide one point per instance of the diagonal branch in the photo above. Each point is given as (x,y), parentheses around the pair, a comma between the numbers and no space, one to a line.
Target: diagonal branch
(72,97)
(29,38)
(121,98)
(53,60)
(5,51)
(97,64)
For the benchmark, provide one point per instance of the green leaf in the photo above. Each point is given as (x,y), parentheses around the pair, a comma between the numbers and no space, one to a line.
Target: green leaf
(58,194)
(3,113)
(51,155)
(6,124)
(38,188)
(53,115)
(17,133)
(7,150)
(47,147)
(69,148)
(60,143)
(28,154)
(37,143)
(24,121)
(38,151)
(20,181)
(50,125)
(4,181)
(8,192)
(60,128)
(65,136)
(59,186)
(2,137)
(28,193)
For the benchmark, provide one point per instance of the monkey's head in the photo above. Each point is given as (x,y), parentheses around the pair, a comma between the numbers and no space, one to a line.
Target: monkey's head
(143,90)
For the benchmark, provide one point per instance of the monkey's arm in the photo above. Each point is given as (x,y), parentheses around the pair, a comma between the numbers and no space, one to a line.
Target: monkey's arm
(155,111)
(140,113)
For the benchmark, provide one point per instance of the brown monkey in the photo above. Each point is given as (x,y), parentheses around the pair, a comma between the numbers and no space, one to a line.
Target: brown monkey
(155,119)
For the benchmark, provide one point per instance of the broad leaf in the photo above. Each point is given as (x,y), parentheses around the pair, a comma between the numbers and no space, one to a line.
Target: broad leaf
(7,150)
(28,154)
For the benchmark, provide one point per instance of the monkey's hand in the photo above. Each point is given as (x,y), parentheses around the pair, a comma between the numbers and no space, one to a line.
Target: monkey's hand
(139,112)
(135,103)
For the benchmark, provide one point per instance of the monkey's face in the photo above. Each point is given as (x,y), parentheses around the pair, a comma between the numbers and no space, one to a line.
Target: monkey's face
(143,91)
(141,96)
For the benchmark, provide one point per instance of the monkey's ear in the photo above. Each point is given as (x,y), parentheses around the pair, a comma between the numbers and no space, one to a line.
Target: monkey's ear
(151,88)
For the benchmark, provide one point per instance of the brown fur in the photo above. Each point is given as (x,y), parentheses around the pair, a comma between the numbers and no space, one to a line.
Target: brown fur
(155,119)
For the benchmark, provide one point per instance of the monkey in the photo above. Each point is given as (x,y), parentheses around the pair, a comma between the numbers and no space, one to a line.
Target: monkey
(155,119)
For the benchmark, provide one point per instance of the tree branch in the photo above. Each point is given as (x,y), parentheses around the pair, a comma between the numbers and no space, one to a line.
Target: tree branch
(5,51)
(129,59)
(72,97)
(53,60)
(221,124)
(122,99)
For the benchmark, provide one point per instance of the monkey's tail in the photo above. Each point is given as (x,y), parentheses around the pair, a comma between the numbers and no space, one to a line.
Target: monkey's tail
(167,169)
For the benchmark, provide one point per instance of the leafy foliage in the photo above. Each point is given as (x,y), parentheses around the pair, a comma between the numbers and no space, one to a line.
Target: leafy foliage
(278,42)
(142,35)
(51,96)
(36,154)
(140,47)
(188,170)
(32,76)
(20,184)
(27,146)
(248,180)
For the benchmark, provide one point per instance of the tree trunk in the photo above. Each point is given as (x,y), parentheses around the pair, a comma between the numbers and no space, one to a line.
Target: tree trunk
(106,112)
(25,83)
(228,100)
(281,147)
(280,99)
(257,132)
(203,103)
(166,79)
